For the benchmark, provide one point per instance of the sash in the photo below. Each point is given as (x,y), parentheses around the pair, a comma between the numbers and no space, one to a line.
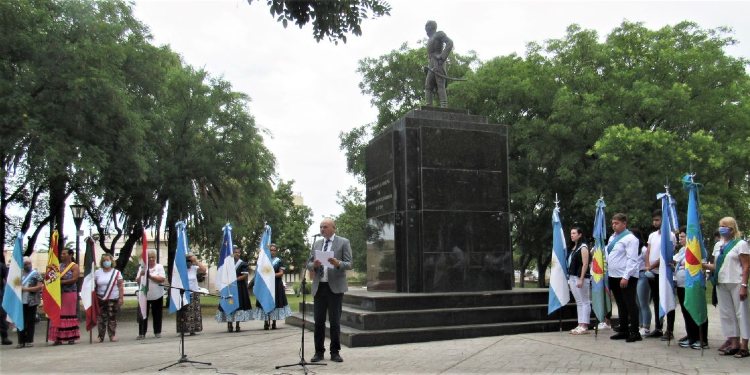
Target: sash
(70,265)
(110,285)
(275,261)
(617,238)
(28,278)
(720,261)
(237,264)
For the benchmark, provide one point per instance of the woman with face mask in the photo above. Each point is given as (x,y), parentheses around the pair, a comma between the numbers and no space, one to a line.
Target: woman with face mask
(110,292)
(730,273)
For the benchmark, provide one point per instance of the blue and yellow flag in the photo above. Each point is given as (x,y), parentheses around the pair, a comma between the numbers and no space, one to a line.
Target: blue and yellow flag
(695,254)
(600,301)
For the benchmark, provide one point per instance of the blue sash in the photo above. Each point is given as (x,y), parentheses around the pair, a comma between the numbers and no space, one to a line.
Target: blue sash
(617,238)
(28,277)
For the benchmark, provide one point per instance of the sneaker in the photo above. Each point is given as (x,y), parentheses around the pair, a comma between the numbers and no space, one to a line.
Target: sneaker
(157,335)
(140,337)
(655,333)
(603,325)
(644,331)
(685,343)
(697,345)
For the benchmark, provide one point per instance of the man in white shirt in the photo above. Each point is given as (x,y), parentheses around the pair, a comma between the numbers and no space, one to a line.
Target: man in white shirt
(652,258)
(622,262)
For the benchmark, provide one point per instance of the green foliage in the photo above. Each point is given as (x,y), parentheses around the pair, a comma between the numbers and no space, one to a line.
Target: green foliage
(330,19)
(618,118)
(352,224)
(289,223)
(131,269)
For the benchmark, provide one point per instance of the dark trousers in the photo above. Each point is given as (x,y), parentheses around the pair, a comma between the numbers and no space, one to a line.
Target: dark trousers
(327,302)
(694,332)
(3,322)
(29,322)
(653,284)
(155,307)
(627,304)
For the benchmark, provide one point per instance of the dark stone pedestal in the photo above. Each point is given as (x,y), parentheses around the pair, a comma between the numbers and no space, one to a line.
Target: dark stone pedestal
(437,205)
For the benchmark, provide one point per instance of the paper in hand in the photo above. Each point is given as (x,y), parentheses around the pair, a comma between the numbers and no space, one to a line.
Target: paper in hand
(323,257)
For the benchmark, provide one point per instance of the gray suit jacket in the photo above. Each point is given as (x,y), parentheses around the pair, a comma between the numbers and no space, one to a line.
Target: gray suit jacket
(336,276)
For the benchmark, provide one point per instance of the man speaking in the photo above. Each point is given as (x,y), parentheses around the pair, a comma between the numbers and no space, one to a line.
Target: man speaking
(330,258)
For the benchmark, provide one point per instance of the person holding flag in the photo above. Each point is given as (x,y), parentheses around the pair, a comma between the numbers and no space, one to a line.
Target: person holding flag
(695,276)
(31,286)
(11,291)
(622,261)
(281,310)
(730,273)
(238,300)
(67,327)
(155,275)
(600,302)
(653,269)
(697,334)
(264,283)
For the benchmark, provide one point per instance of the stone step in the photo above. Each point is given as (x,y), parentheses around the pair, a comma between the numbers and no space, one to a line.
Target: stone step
(370,320)
(385,301)
(353,337)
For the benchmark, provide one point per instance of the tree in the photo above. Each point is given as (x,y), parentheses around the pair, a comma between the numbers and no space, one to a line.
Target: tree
(330,19)
(289,222)
(352,224)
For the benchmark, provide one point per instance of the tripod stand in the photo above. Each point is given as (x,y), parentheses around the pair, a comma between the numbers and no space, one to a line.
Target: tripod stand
(183,356)
(302,361)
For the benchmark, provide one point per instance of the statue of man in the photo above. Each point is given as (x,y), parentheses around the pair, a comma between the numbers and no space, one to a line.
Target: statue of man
(439,46)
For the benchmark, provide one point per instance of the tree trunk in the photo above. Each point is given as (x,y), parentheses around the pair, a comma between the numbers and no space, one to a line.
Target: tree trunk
(57,208)
(127,249)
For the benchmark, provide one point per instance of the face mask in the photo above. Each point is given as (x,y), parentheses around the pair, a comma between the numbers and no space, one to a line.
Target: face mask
(107,264)
(725,231)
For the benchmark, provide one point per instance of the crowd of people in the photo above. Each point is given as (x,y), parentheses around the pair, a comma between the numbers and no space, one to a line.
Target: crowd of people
(634,284)
(109,288)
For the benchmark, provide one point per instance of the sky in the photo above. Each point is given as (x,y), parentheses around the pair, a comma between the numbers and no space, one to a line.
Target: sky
(304,93)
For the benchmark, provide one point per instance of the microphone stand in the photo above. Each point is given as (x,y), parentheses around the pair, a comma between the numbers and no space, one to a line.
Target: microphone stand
(302,362)
(183,356)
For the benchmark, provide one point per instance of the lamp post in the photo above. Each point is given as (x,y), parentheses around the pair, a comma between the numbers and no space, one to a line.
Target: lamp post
(78,211)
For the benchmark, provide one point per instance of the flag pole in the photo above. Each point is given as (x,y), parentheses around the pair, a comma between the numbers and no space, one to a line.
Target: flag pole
(559,312)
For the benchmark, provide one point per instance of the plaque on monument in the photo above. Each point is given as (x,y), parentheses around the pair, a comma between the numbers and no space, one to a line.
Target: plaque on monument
(437,204)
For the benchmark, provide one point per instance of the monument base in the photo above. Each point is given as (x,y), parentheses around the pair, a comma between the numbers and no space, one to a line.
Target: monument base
(381,318)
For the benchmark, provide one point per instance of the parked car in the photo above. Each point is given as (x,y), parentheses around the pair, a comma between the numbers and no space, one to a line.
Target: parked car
(131,288)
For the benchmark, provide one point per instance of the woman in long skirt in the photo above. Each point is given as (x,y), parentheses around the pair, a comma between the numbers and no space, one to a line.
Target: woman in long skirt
(245,310)
(282,310)
(67,330)
(190,316)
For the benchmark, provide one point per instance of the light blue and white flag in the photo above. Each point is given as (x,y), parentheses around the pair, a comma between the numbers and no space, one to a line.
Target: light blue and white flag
(559,293)
(226,277)
(265,279)
(666,281)
(12,295)
(179,280)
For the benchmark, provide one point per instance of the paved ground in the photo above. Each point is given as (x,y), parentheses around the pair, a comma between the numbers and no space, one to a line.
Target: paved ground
(255,351)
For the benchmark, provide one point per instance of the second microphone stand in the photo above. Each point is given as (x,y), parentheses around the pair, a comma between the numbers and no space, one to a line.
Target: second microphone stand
(183,356)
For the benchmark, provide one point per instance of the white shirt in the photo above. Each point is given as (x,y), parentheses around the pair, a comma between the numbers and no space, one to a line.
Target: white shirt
(324,279)
(101,278)
(622,261)
(193,278)
(731,269)
(155,290)
(654,242)
(680,271)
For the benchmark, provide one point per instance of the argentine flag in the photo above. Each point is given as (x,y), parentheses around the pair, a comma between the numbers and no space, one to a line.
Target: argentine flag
(559,293)
(265,279)
(226,277)
(179,272)
(666,281)
(12,295)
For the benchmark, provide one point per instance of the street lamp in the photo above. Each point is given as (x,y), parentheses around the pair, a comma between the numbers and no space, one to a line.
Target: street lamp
(78,211)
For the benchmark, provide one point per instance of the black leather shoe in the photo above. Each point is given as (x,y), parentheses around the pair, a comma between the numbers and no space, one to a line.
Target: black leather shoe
(667,336)
(336,357)
(7,342)
(655,333)
(633,337)
(317,357)
(619,336)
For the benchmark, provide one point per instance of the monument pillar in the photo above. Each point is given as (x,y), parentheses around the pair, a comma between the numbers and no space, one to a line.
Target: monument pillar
(437,204)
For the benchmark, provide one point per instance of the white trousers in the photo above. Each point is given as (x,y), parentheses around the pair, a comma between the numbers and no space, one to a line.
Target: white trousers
(582,296)
(734,314)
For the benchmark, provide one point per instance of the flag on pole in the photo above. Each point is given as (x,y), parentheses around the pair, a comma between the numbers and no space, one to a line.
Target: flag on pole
(559,293)
(600,302)
(695,280)
(88,288)
(51,294)
(143,285)
(12,294)
(179,280)
(666,281)
(226,276)
(265,279)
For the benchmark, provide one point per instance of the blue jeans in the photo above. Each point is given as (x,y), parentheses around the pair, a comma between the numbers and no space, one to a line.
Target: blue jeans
(644,299)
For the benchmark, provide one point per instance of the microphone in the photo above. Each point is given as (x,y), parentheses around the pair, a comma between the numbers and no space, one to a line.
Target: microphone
(316,235)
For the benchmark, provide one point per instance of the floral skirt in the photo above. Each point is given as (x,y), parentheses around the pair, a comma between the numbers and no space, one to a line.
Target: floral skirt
(192,315)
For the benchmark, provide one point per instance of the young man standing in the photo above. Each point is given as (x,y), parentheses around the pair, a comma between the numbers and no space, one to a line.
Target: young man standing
(622,259)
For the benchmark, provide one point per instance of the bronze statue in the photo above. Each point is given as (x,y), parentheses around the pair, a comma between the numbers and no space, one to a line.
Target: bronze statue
(439,46)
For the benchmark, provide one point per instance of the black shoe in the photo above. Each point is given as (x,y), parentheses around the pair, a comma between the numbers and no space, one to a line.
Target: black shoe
(317,357)
(229,327)
(7,342)
(619,336)
(273,325)
(633,337)
(336,357)
(265,325)
(667,336)
(655,333)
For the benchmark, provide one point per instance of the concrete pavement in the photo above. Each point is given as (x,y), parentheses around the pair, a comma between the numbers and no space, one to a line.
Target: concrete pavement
(255,351)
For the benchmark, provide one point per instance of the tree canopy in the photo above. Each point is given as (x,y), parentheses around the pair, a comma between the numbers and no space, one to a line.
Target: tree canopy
(619,118)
